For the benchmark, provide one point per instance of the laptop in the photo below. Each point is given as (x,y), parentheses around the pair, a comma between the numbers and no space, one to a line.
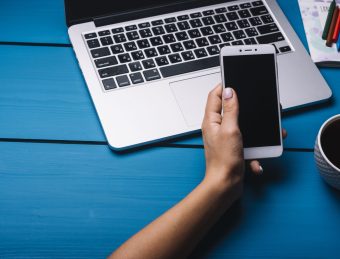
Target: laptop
(149,65)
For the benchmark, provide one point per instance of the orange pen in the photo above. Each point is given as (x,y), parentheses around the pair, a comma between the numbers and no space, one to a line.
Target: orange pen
(329,41)
(336,30)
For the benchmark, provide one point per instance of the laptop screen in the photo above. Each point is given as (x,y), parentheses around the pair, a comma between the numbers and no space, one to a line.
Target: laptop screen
(85,10)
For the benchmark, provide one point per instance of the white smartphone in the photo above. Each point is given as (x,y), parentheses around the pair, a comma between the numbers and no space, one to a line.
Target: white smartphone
(252,72)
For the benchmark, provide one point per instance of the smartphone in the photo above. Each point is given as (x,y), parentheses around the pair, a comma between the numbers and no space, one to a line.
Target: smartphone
(252,72)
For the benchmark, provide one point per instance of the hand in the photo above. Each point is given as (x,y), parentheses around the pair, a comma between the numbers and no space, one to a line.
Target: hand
(223,142)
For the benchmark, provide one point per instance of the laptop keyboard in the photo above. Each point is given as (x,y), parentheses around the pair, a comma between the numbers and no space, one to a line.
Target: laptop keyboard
(139,53)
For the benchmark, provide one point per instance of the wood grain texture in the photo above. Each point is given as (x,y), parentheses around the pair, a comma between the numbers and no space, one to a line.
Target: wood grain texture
(79,201)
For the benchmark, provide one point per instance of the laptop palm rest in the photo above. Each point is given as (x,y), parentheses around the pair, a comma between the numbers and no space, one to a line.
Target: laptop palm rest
(191,96)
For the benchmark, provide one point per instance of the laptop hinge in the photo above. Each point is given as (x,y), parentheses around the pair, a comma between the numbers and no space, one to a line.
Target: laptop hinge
(153,11)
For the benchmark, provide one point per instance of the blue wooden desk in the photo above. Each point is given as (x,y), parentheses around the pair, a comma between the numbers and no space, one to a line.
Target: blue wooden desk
(64,194)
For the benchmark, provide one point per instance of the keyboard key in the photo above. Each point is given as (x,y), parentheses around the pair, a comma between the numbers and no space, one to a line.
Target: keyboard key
(233,8)
(244,14)
(176,47)
(206,30)
(213,50)
(188,55)
(221,10)
(169,38)
(162,61)
(231,26)
(183,17)
(124,58)
(131,28)
(90,35)
(137,55)
(123,81)
(183,25)
(151,52)
(285,49)
(170,20)
(117,30)
(220,18)
(105,62)
(196,23)
(246,5)
(157,22)
(208,20)
(243,23)
(116,49)
(191,66)
(109,84)
(227,37)
(175,58)
(151,74)
(238,42)
(223,45)
(156,41)
(251,32)
(269,28)
(181,36)
(214,39)
(142,44)
(158,30)
(202,42)
(258,10)
(149,63)
(133,35)
(104,33)
(257,3)
(239,34)
(119,38)
(208,12)
(144,25)
(189,44)
(255,21)
(106,41)
(194,33)
(219,28)
(136,78)
(135,66)
(200,53)
(130,46)
(270,38)
(170,28)
(232,16)
(195,15)
(145,33)
(163,50)
(267,18)
(94,43)
(113,71)
(250,41)
(101,52)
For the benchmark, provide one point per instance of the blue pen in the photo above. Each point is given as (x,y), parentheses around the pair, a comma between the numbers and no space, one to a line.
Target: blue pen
(338,44)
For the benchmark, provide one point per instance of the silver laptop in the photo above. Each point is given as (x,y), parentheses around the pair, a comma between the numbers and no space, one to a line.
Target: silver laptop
(150,64)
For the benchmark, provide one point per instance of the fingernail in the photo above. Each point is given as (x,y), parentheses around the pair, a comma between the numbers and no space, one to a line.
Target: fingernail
(261,170)
(227,93)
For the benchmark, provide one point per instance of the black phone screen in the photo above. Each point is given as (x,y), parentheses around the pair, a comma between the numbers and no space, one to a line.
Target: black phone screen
(253,77)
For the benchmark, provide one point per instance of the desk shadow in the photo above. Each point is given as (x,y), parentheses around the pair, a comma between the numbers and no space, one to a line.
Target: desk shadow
(333,193)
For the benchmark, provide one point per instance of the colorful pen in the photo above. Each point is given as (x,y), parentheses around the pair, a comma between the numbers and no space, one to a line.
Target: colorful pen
(336,30)
(329,20)
(329,42)
(338,44)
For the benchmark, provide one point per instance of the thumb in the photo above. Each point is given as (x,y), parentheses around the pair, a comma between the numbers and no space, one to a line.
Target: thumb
(230,108)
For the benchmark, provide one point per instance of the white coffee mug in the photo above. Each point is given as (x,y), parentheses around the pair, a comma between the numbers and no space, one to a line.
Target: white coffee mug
(329,172)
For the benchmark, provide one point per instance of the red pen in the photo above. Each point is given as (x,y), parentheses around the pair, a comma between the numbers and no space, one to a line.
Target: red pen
(336,30)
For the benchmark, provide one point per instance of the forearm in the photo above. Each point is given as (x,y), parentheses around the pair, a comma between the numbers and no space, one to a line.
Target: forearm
(177,232)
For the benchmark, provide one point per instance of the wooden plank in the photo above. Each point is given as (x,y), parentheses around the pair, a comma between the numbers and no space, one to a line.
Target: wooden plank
(80,201)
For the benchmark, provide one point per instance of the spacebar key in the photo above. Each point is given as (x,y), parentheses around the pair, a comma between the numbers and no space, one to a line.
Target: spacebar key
(191,66)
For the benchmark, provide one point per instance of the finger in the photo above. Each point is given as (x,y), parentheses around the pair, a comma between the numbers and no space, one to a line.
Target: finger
(284,133)
(256,167)
(214,100)
(230,108)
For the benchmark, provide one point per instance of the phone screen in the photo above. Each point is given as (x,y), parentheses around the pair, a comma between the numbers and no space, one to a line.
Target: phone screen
(253,77)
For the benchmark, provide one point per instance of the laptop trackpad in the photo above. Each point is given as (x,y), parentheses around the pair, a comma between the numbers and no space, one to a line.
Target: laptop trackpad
(191,96)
